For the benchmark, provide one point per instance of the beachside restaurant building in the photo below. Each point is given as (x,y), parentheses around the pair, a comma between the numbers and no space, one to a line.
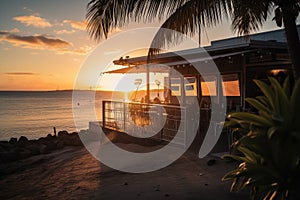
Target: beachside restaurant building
(239,60)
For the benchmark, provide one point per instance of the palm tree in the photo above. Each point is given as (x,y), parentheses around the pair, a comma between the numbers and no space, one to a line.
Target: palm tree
(187,16)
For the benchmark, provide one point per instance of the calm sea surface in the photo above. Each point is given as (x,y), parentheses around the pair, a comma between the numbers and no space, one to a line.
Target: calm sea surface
(34,114)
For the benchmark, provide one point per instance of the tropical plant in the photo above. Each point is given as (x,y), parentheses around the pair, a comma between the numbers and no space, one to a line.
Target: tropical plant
(269,154)
(187,16)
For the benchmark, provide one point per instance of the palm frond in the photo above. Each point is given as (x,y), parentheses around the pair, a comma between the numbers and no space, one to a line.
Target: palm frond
(104,15)
(187,20)
(249,15)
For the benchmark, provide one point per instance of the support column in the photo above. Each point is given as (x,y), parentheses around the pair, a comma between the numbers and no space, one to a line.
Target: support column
(244,82)
(148,84)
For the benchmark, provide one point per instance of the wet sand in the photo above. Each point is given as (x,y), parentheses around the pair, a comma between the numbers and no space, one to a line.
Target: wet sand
(72,173)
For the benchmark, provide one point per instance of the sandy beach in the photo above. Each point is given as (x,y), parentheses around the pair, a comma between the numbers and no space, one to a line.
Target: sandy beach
(73,173)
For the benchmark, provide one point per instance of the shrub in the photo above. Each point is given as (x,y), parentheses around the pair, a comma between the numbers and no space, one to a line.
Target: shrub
(269,152)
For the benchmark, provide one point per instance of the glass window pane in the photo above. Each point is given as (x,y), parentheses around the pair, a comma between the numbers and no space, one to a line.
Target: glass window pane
(175,87)
(231,85)
(190,86)
(209,87)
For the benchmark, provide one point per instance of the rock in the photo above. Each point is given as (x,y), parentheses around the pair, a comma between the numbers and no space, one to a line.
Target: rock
(43,149)
(71,139)
(1,149)
(13,140)
(15,149)
(23,153)
(23,139)
(211,162)
(59,144)
(63,134)
(51,137)
(6,146)
(43,140)
(23,142)
(50,147)
(74,133)
(34,149)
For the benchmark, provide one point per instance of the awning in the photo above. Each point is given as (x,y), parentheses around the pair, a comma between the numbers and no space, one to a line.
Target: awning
(157,68)
(164,68)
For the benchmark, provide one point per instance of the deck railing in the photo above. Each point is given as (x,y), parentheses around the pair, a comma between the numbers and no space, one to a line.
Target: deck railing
(164,121)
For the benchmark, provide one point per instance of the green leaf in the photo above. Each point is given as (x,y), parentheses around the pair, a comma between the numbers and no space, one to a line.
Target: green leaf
(265,115)
(265,101)
(267,91)
(234,183)
(280,98)
(271,131)
(252,118)
(277,117)
(234,157)
(287,87)
(230,175)
(269,153)
(258,105)
(250,156)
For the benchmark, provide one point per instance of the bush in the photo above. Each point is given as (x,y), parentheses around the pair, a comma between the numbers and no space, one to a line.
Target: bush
(269,152)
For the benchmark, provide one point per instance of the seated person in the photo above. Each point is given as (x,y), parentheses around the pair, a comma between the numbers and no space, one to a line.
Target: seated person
(156,100)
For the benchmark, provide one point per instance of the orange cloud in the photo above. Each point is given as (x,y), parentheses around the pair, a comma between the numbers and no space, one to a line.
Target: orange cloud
(80,51)
(32,20)
(35,42)
(44,43)
(60,32)
(19,73)
(15,30)
(80,25)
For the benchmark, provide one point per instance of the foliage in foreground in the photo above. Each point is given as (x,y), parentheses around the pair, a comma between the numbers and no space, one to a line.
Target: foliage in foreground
(269,154)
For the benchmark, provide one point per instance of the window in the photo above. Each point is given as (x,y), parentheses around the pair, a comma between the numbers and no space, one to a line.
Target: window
(231,85)
(190,86)
(175,87)
(209,86)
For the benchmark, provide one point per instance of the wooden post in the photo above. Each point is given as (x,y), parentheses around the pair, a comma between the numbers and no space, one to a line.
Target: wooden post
(148,84)
(103,114)
(182,86)
(124,115)
(54,130)
(244,82)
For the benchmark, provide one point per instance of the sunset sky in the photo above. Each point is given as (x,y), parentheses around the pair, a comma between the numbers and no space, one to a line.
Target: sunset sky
(44,43)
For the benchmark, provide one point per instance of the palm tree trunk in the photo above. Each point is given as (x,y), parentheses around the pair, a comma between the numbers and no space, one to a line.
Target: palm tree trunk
(292,38)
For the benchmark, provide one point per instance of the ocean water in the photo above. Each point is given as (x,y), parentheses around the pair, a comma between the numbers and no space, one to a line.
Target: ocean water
(34,114)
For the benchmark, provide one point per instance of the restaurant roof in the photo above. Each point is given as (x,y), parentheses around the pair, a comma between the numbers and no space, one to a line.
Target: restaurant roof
(217,49)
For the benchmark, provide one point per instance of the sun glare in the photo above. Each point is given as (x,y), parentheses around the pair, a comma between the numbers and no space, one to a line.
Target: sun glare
(127,83)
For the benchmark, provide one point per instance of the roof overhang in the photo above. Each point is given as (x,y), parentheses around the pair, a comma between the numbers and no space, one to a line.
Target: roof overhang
(156,68)
(164,68)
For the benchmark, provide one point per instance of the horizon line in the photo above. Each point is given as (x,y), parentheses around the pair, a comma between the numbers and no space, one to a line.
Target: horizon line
(67,90)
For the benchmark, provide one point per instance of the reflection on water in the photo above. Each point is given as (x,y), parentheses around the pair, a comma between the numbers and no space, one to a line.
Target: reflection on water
(34,114)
